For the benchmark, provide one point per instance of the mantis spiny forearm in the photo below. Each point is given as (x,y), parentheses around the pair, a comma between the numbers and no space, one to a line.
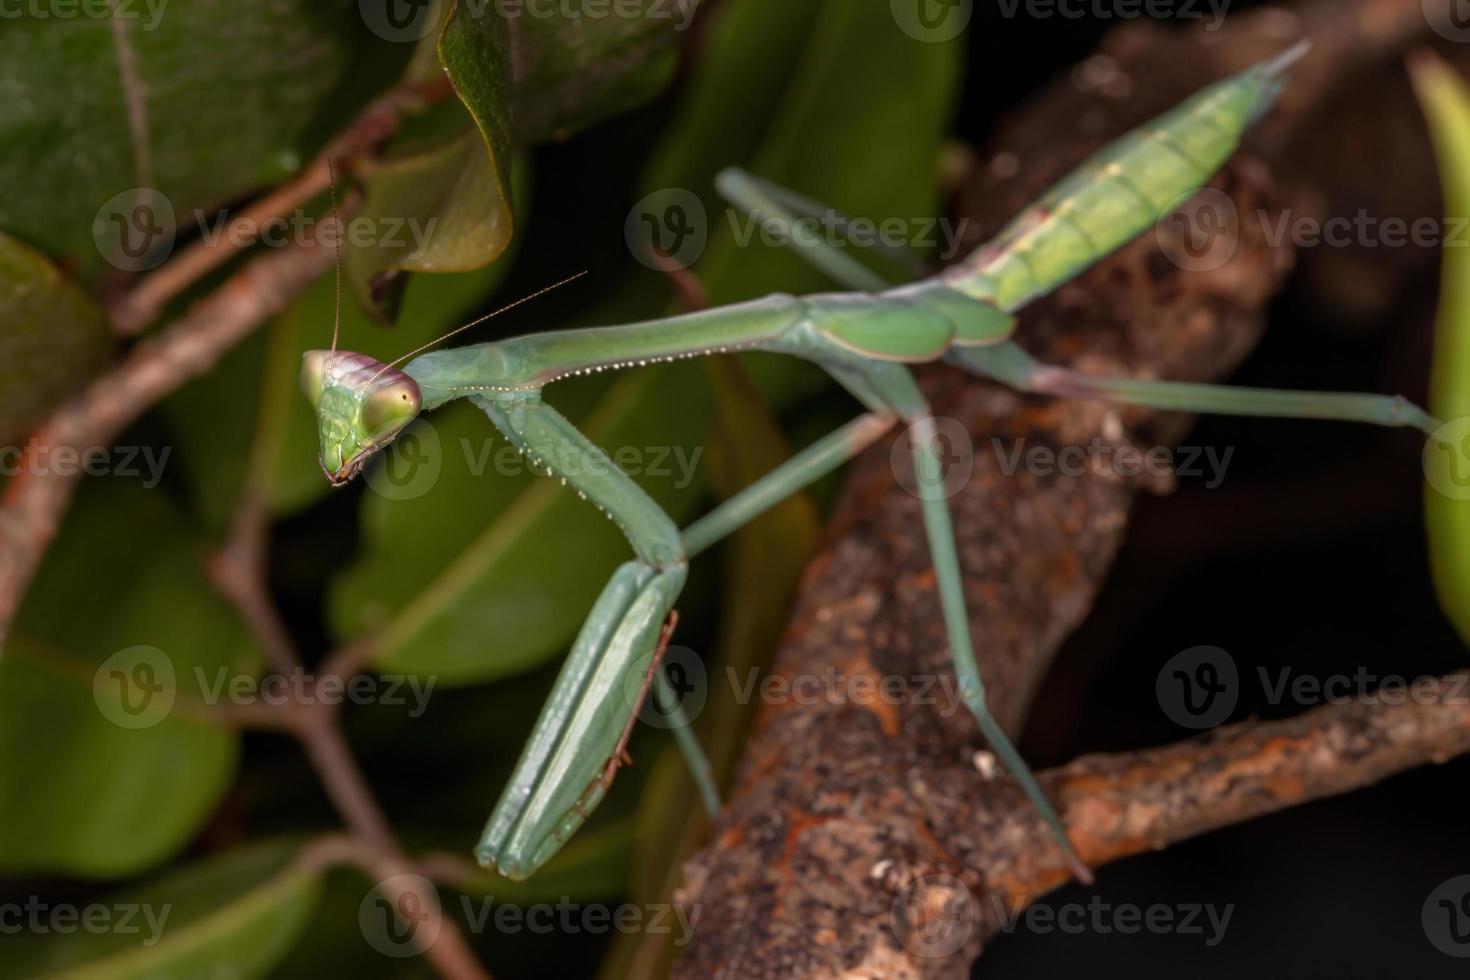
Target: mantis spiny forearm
(863,339)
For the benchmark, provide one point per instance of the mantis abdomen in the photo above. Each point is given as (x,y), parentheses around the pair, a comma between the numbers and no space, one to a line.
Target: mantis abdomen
(1118,193)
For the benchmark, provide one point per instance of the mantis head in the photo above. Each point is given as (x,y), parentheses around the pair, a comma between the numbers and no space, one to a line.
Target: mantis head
(361,406)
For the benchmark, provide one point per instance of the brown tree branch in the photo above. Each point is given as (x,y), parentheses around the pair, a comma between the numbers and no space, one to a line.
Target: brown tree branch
(845,808)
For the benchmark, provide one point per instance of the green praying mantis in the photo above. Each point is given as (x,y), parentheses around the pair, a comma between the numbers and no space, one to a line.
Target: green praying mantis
(865,339)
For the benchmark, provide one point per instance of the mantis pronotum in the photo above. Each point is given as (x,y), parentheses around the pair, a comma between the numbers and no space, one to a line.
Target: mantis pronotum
(863,339)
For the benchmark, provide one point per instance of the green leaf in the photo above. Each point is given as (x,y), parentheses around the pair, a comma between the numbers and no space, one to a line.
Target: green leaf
(444,210)
(192,100)
(587,62)
(572,67)
(234,915)
(54,338)
(112,673)
(1446,101)
(454,192)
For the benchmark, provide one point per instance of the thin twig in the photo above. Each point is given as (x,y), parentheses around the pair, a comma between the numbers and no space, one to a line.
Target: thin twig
(239,571)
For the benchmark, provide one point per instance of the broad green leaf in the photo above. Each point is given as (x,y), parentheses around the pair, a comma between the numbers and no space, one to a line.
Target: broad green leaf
(443,210)
(454,192)
(524,76)
(234,915)
(53,338)
(118,640)
(1446,101)
(590,61)
(193,102)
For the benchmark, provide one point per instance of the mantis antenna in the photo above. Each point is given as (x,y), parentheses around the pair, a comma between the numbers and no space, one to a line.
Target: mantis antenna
(337,243)
(493,313)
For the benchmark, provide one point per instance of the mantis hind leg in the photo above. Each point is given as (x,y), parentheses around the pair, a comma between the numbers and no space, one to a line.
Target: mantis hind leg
(1009,364)
(893,385)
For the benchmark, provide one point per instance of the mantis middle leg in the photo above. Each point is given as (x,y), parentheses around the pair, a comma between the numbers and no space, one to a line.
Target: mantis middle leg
(892,384)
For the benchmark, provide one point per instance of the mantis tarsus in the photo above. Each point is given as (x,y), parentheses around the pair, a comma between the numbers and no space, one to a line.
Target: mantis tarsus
(864,339)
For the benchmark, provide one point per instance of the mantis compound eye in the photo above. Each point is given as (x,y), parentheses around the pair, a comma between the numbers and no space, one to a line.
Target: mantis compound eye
(314,375)
(389,407)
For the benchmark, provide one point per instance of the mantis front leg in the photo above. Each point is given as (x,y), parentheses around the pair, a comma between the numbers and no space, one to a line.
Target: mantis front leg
(567,764)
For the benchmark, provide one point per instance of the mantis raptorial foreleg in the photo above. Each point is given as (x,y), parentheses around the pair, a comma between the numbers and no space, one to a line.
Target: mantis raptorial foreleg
(561,773)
